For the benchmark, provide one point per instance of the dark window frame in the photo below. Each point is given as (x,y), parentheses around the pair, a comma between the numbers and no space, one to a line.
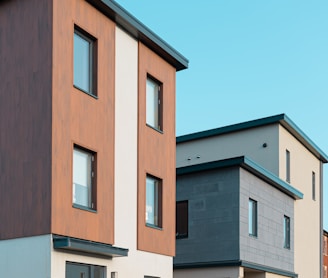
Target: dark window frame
(159,209)
(313,186)
(182,227)
(288,166)
(252,221)
(93,61)
(91,269)
(93,192)
(286,232)
(160,104)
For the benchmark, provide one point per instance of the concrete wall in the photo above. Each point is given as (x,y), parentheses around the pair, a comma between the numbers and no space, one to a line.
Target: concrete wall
(246,142)
(213,216)
(268,247)
(308,235)
(222,272)
(26,257)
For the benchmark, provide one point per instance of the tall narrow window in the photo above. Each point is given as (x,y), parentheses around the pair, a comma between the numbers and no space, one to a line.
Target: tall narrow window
(182,219)
(153,201)
(84,178)
(84,62)
(76,270)
(252,217)
(154,104)
(313,186)
(286,232)
(287,166)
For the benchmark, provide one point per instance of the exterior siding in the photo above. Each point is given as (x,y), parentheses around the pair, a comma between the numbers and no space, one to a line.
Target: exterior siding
(268,247)
(213,216)
(25,117)
(83,120)
(156,154)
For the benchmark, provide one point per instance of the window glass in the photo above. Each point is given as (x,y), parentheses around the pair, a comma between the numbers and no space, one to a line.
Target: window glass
(182,219)
(82,178)
(287,166)
(153,104)
(313,186)
(252,217)
(286,232)
(153,201)
(76,270)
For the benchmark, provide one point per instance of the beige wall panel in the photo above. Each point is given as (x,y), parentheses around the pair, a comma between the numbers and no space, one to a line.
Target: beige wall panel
(217,272)
(81,119)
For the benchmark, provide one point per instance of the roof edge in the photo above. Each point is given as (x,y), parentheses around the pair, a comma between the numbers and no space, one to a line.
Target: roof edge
(141,32)
(248,165)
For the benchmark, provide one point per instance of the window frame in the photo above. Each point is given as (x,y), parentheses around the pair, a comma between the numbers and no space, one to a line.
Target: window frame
(159,115)
(91,269)
(288,166)
(287,232)
(92,199)
(252,218)
(185,224)
(313,186)
(158,202)
(92,71)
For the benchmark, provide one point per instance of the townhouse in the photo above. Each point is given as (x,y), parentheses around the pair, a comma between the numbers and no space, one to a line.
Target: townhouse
(87,148)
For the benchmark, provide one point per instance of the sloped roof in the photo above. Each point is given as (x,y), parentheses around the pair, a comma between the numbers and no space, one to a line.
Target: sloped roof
(282,119)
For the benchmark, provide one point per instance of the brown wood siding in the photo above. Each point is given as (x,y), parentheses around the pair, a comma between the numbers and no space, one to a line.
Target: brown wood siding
(156,154)
(25,117)
(83,120)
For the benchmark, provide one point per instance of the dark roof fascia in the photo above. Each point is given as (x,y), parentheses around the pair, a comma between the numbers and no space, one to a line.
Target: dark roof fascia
(277,119)
(89,247)
(250,166)
(235,263)
(139,31)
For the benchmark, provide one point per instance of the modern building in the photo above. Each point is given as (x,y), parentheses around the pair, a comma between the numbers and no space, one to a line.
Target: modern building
(87,150)
(253,195)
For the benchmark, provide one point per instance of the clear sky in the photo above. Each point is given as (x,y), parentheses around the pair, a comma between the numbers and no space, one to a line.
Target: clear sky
(247,60)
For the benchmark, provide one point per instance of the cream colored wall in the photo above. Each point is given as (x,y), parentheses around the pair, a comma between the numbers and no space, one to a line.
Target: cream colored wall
(25,257)
(217,272)
(307,212)
(246,142)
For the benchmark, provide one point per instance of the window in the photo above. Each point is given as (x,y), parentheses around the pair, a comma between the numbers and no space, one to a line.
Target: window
(182,219)
(313,186)
(325,245)
(252,217)
(286,232)
(153,201)
(76,270)
(325,272)
(154,104)
(84,178)
(287,166)
(84,62)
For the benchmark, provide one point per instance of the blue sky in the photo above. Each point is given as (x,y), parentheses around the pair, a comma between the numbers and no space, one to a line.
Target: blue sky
(248,60)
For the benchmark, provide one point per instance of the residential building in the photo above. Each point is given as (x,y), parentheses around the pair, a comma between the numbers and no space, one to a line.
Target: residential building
(270,175)
(325,254)
(87,152)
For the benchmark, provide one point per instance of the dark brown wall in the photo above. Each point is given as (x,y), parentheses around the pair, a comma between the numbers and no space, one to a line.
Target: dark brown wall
(81,119)
(25,117)
(156,154)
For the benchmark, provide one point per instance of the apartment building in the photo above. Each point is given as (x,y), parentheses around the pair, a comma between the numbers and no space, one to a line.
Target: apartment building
(87,142)
(258,186)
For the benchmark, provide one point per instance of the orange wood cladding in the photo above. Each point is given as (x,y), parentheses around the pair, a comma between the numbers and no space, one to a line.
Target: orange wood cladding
(156,154)
(78,118)
(25,118)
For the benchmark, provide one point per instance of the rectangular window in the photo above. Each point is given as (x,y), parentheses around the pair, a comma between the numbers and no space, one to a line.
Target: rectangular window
(286,232)
(313,186)
(76,270)
(325,274)
(325,246)
(153,201)
(85,62)
(84,186)
(182,219)
(252,217)
(154,104)
(287,166)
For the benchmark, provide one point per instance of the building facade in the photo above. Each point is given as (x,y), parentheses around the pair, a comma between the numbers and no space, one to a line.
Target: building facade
(280,148)
(325,254)
(88,154)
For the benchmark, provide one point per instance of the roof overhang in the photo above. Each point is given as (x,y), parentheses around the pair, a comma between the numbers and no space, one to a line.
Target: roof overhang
(139,31)
(89,247)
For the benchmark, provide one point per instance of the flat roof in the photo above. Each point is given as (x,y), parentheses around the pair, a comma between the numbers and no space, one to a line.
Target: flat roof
(139,31)
(249,165)
(281,119)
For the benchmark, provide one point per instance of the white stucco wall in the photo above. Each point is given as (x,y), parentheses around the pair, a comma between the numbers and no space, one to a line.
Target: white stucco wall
(25,257)
(307,211)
